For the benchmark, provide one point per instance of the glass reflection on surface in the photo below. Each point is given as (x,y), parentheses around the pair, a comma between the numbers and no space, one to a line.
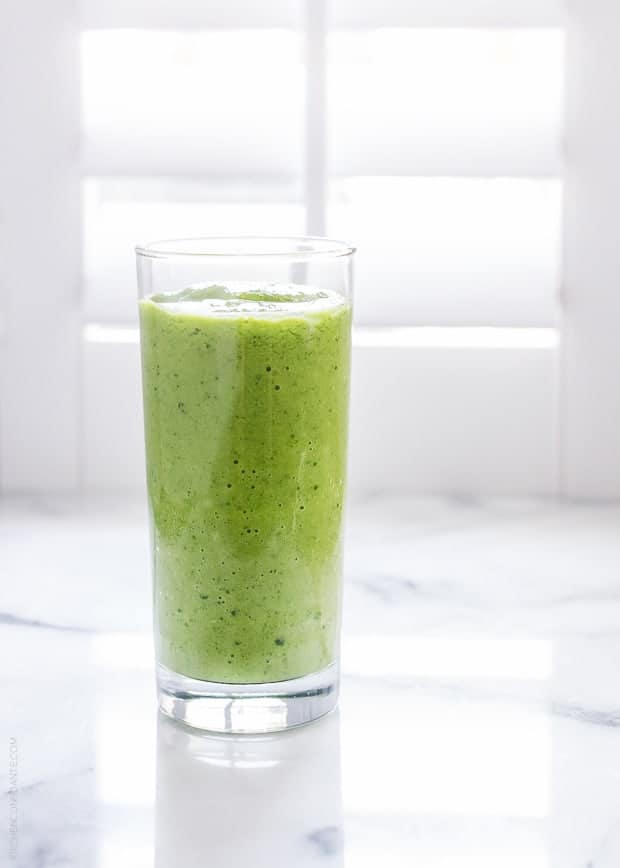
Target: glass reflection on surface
(248,800)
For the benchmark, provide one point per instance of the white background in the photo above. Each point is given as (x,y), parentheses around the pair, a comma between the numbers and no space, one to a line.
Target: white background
(468,149)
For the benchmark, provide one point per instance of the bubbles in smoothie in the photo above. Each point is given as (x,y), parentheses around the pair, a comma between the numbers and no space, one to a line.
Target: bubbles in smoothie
(249,298)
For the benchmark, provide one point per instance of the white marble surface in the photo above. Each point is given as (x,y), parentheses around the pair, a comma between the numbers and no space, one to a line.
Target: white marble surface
(479,724)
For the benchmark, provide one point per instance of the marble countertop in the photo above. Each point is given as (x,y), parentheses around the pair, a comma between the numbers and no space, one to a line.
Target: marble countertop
(479,724)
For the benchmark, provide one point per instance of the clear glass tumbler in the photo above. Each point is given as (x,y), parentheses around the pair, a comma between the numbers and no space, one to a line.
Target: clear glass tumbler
(245,369)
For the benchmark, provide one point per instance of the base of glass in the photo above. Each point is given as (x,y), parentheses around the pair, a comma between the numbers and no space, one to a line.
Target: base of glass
(247,708)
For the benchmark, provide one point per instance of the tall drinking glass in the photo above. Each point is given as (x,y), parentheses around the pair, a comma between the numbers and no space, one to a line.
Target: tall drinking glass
(245,369)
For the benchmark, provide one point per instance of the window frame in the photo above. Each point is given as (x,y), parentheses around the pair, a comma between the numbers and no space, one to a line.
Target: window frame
(49,401)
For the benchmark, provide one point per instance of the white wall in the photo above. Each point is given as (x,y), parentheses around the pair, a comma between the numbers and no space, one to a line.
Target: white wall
(590,363)
(40,262)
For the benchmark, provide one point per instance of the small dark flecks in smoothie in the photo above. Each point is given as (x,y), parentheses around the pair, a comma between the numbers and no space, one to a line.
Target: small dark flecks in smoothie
(293,447)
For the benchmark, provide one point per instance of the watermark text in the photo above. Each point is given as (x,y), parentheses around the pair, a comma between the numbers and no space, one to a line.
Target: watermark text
(12,794)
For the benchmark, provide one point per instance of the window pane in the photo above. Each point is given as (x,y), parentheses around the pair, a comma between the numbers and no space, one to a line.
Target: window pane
(445,102)
(451,251)
(180,103)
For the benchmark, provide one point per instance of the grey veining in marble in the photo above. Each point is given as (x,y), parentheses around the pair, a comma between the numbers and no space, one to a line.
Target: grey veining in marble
(479,724)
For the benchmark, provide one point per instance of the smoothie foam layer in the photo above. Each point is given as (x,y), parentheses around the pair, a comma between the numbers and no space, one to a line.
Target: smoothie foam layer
(249,298)
(246,394)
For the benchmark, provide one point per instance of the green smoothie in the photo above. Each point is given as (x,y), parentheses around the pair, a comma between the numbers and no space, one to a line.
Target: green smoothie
(246,403)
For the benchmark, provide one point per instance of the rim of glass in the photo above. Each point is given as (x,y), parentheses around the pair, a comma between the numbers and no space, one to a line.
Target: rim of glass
(292,247)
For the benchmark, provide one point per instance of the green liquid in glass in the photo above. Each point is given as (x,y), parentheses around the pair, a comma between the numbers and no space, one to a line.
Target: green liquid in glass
(246,403)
